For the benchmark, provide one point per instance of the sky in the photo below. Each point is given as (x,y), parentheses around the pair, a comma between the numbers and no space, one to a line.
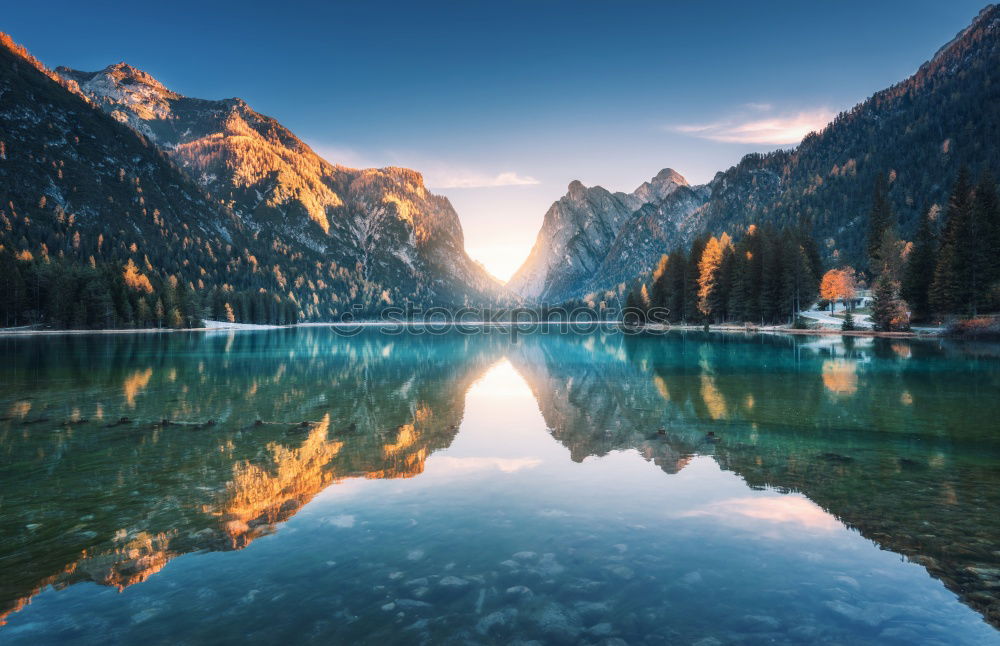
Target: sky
(501,104)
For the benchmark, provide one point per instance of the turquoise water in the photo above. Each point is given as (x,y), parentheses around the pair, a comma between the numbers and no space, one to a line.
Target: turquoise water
(296,486)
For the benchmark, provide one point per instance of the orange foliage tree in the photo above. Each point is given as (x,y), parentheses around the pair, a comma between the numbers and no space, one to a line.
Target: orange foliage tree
(135,279)
(838,284)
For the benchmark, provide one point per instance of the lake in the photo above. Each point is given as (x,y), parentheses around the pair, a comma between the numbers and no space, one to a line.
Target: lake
(300,486)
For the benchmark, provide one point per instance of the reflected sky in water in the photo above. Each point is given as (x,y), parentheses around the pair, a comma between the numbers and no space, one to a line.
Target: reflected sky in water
(293,485)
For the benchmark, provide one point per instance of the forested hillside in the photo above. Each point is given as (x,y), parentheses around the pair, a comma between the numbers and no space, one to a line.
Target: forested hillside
(917,134)
(101,228)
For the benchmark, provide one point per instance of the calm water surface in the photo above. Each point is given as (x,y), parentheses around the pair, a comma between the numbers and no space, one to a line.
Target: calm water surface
(310,488)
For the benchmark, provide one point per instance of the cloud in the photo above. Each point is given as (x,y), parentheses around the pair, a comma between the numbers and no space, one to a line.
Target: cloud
(469,179)
(449,464)
(753,129)
(788,509)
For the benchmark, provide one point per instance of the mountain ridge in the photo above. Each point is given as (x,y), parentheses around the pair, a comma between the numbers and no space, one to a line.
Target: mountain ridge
(274,180)
(579,231)
(918,132)
(85,185)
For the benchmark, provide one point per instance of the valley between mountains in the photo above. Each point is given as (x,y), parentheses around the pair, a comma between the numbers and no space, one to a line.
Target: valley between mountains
(126,203)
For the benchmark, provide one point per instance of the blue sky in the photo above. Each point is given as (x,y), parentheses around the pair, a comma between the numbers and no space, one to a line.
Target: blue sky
(502,104)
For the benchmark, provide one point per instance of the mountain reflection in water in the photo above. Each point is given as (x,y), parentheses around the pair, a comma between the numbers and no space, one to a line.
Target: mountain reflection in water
(124,452)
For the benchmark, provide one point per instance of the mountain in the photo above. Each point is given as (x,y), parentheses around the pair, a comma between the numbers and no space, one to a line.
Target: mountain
(214,209)
(382,221)
(918,133)
(587,227)
(79,188)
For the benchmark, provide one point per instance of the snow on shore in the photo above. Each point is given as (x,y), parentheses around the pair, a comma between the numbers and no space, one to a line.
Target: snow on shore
(225,325)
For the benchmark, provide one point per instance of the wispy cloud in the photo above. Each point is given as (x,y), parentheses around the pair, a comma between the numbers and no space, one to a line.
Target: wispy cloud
(471,179)
(787,509)
(752,128)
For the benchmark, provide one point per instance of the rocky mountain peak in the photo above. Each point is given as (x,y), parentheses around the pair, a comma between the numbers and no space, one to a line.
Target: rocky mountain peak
(125,86)
(116,80)
(576,190)
(663,184)
(382,225)
(125,74)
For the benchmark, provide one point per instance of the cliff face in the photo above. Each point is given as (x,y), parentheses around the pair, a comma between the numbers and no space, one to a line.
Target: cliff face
(589,233)
(382,223)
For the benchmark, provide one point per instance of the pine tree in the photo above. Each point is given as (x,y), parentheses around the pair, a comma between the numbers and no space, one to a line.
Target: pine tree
(889,311)
(981,263)
(721,294)
(12,290)
(799,283)
(919,271)
(947,293)
(848,325)
(660,291)
(692,275)
(745,294)
(143,312)
(675,281)
(880,218)
(635,305)
(771,278)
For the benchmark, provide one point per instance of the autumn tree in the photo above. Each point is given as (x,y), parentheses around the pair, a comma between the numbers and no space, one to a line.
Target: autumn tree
(711,284)
(692,277)
(838,285)
(134,279)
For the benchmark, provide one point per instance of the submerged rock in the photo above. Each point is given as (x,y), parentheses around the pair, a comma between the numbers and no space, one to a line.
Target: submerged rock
(621,571)
(557,623)
(495,622)
(519,591)
(411,603)
(692,578)
(592,610)
(759,623)
(549,566)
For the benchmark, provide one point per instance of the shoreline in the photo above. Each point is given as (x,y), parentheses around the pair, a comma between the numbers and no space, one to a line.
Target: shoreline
(216,326)
(807,332)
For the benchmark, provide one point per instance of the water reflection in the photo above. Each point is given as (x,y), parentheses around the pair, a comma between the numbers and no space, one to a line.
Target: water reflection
(126,452)
(203,452)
